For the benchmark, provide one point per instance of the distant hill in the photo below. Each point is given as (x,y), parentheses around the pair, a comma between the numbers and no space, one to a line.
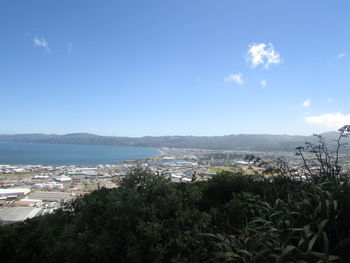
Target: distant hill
(249,142)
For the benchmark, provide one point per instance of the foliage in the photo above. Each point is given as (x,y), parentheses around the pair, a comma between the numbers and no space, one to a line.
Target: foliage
(301,215)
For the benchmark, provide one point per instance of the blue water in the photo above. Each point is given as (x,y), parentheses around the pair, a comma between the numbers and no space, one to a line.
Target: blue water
(69,154)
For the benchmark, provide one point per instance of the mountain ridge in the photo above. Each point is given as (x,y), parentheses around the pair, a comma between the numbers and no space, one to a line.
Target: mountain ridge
(249,142)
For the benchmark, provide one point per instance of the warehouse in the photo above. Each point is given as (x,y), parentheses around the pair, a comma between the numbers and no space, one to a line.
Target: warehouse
(13,192)
(17,214)
(50,196)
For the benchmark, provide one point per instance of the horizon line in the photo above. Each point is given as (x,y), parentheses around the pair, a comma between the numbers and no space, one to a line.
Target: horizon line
(172,135)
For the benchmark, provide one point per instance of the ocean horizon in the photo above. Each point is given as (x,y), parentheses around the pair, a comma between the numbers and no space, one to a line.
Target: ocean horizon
(15,153)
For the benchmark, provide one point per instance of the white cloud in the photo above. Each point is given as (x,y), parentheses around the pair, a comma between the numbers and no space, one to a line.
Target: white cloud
(263,54)
(41,42)
(306,103)
(341,55)
(69,47)
(238,78)
(263,83)
(330,100)
(332,120)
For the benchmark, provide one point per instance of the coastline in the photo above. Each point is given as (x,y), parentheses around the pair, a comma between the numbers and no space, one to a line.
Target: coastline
(154,158)
(21,154)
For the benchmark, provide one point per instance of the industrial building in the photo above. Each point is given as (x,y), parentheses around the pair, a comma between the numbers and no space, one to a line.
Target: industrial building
(50,196)
(13,192)
(18,213)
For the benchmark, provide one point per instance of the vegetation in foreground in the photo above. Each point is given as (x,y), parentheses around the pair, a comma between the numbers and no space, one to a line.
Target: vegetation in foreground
(298,216)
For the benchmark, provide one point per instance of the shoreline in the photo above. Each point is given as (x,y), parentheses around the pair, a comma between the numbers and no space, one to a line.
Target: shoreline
(148,159)
(41,154)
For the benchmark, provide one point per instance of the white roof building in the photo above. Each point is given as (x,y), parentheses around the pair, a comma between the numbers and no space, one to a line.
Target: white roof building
(63,178)
(17,214)
(14,191)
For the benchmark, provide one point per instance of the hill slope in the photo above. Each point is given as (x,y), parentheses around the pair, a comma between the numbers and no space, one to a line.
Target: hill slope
(249,142)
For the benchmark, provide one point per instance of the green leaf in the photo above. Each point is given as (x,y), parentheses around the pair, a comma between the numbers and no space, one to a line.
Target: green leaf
(333,258)
(321,256)
(325,242)
(288,249)
(311,243)
(322,224)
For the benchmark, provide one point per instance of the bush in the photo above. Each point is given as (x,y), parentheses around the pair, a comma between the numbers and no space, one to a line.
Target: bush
(297,216)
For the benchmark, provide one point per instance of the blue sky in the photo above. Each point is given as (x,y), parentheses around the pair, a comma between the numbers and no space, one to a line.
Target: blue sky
(184,67)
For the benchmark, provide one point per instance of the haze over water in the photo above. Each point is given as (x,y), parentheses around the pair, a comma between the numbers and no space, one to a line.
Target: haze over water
(69,154)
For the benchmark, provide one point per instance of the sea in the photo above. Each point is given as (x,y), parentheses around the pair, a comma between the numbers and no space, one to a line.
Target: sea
(13,153)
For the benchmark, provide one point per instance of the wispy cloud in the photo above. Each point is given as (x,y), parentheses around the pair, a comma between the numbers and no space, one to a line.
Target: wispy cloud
(238,78)
(331,120)
(263,83)
(41,42)
(330,100)
(341,55)
(262,54)
(306,103)
(69,47)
